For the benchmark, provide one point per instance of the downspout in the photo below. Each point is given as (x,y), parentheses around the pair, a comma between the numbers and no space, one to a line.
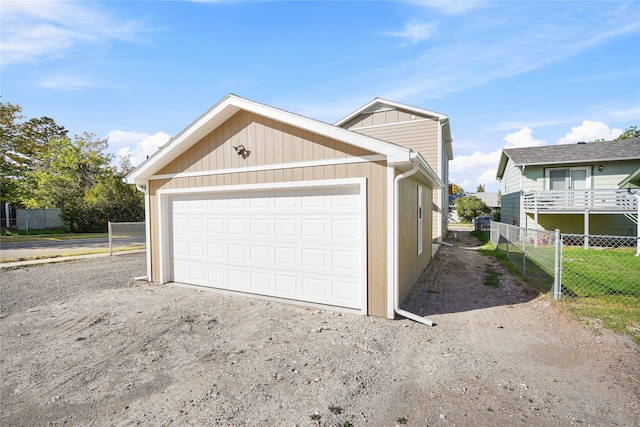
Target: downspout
(444,190)
(441,155)
(396,244)
(522,215)
(147,228)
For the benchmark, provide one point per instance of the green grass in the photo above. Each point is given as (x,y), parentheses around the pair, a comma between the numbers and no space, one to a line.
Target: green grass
(593,272)
(491,277)
(621,315)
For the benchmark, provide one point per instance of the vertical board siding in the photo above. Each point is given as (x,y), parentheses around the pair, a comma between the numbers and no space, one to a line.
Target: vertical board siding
(269,142)
(419,135)
(277,143)
(410,264)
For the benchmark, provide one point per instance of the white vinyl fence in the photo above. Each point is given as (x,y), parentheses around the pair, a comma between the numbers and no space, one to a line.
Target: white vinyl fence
(126,235)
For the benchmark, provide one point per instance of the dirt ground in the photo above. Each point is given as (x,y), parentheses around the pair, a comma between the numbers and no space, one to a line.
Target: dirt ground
(82,344)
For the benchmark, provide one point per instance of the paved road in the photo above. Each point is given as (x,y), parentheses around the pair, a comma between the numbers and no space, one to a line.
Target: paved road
(11,250)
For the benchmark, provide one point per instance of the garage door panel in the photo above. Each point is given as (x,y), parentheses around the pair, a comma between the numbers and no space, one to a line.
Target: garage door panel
(260,227)
(302,244)
(261,254)
(236,226)
(345,229)
(287,256)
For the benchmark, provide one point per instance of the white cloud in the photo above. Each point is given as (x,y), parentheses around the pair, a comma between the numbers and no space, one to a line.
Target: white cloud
(590,131)
(478,168)
(413,32)
(138,145)
(522,138)
(50,29)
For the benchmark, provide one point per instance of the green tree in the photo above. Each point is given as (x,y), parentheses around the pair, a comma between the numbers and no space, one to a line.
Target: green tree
(480,189)
(22,145)
(632,132)
(66,169)
(469,207)
(111,199)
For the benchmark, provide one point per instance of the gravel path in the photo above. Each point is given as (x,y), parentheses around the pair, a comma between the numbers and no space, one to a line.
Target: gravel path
(84,344)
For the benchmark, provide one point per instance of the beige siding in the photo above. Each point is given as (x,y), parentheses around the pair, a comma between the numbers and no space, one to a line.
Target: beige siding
(410,264)
(269,142)
(419,135)
(383,117)
(412,132)
(276,143)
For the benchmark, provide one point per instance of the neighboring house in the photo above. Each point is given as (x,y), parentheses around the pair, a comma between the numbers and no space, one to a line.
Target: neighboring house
(425,132)
(254,199)
(579,188)
(492,200)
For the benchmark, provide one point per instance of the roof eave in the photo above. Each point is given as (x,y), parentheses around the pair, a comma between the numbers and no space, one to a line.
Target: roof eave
(631,182)
(230,105)
(504,158)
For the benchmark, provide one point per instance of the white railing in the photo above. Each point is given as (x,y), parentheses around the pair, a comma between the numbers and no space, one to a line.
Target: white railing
(594,200)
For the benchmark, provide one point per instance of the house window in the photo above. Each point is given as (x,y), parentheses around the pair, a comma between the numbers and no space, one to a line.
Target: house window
(419,219)
(568,178)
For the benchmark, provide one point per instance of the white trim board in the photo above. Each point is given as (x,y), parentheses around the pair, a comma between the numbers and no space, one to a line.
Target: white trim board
(276,166)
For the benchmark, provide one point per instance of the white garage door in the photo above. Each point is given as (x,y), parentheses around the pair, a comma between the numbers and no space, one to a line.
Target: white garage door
(302,244)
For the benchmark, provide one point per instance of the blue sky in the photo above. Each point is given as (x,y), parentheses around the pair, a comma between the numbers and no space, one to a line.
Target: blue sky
(508,73)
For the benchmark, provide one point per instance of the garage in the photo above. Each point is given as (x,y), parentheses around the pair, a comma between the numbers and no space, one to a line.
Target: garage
(260,201)
(303,243)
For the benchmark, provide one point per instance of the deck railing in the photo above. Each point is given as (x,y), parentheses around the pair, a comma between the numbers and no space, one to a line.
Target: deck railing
(618,201)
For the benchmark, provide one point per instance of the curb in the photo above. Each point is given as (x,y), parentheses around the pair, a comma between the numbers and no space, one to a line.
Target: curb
(15,264)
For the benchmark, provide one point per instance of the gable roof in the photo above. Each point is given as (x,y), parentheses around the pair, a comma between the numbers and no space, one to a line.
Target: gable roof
(490,199)
(230,105)
(622,149)
(632,181)
(379,104)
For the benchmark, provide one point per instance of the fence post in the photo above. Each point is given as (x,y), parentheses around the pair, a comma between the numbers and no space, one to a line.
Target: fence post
(508,247)
(110,242)
(524,251)
(556,267)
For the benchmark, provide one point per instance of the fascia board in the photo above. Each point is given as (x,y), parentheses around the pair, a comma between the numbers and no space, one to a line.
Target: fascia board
(231,104)
(504,158)
(629,182)
(200,127)
(567,162)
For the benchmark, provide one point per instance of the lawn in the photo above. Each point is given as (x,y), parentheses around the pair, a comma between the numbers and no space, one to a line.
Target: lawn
(594,272)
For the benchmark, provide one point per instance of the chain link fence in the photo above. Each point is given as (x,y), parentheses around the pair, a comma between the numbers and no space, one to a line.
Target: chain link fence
(608,268)
(532,252)
(572,265)
(126,235)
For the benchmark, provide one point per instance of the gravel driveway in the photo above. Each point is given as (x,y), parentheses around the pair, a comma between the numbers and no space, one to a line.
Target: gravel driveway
(84,344)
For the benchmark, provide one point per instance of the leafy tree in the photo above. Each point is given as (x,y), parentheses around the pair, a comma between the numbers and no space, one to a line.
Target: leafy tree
(469,207)
(480,189)
(41,167)
(22,144)
(455,189)
(632,132)
(66,169)
(111,199)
